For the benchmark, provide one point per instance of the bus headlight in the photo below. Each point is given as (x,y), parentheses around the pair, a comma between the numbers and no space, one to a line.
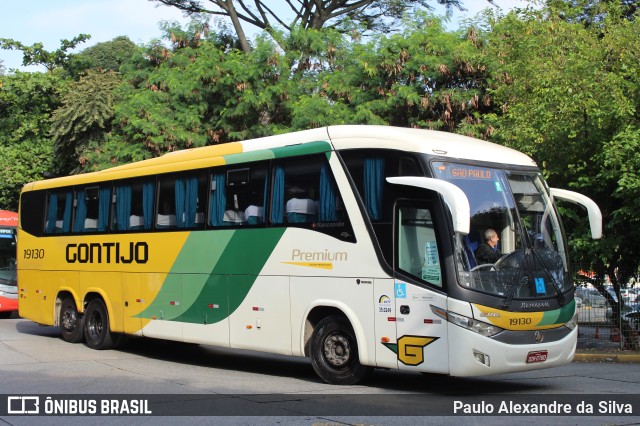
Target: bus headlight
(479,327)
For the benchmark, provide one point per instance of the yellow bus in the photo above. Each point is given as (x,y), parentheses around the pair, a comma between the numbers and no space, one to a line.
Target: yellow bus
(352,245)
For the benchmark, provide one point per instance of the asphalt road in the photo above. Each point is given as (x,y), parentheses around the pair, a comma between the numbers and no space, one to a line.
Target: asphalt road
(253,388)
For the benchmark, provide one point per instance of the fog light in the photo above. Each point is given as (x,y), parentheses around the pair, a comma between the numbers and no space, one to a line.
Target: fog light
(482,358)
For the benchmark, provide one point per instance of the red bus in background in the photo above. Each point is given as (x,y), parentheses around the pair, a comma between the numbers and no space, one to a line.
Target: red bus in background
(8,273)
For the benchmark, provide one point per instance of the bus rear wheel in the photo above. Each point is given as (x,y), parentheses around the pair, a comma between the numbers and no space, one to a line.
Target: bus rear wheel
(71,321)
(96,326)
(334,352)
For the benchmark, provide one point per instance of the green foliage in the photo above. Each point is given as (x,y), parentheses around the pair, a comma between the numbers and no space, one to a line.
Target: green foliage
(202,91)
(21,163)
(37,55)
(426,77)
(276,17)
(109,55)
(26,102)
(84,117)
(570,93)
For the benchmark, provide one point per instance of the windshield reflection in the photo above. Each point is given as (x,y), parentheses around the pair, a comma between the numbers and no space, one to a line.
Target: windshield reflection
(525,258)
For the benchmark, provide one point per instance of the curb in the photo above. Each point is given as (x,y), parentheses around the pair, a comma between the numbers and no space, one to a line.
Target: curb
(606,357)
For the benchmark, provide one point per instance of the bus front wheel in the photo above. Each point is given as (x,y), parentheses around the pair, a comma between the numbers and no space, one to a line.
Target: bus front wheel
(96,326)
(334,352)
(71,321)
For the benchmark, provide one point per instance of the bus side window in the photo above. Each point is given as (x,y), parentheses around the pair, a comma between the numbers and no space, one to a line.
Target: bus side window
(181,202)
(133,206)
(34,212)
(92,205)
(237,196)
(417,246)
(59,212)
(295,191)
(191,196)
(304,194)
(369,169)
(166,218)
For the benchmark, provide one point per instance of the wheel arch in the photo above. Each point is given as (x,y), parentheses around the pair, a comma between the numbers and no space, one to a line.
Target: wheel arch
(323,309)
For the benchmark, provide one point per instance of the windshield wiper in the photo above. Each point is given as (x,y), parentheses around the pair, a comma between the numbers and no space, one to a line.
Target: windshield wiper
(555,283)
(521,280)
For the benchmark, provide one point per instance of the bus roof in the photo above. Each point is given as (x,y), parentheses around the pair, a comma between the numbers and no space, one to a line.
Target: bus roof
(442,144)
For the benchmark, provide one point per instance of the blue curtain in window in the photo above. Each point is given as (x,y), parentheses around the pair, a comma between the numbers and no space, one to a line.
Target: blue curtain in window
(66,218)
(179,191)
(123,207)
(190,201)
(52,213)
(217,200)
(277,200)
(81,212)
(148,192)
(327,196)
(373,180)
(104,201)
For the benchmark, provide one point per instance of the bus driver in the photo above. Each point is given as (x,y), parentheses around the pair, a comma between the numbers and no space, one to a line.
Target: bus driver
(488,252)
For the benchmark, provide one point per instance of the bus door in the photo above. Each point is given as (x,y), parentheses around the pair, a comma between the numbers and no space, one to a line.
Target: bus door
(421,334)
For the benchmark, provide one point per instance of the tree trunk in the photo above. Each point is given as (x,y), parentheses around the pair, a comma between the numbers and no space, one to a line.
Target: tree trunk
(244,43)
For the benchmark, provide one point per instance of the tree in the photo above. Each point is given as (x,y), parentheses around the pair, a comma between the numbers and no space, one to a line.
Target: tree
(109,55)
(83,118)
(591,12)
(37,55)
(26,102)
(570,93)
(201,91)
(308,15)
(425,77)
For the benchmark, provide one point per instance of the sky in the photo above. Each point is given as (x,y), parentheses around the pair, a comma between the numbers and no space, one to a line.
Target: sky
(49,21)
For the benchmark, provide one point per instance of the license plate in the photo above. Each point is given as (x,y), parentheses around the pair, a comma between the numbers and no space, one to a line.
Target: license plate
(537,356)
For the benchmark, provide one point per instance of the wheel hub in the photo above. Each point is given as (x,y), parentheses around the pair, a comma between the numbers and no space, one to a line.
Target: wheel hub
(337,350)
(69,319)
(95,325)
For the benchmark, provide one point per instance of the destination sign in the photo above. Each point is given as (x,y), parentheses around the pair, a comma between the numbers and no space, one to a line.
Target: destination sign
(459,172)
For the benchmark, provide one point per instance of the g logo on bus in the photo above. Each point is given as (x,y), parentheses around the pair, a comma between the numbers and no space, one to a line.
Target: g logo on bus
(410,348)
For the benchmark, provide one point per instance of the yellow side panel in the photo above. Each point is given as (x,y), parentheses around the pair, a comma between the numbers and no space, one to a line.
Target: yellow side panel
(132,302)
(38,291)
(109,286)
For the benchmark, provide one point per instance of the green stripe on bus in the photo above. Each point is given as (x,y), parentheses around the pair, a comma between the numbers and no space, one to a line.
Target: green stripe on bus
(559,316)
(233,260)
(246,157)
(242,261)
(302,149)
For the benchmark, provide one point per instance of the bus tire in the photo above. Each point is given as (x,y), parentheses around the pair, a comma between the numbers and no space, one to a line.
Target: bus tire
(334,352)
(71,321)
(96,326)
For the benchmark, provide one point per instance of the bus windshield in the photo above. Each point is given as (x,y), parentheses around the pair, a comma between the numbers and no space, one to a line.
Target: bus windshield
(515,248)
